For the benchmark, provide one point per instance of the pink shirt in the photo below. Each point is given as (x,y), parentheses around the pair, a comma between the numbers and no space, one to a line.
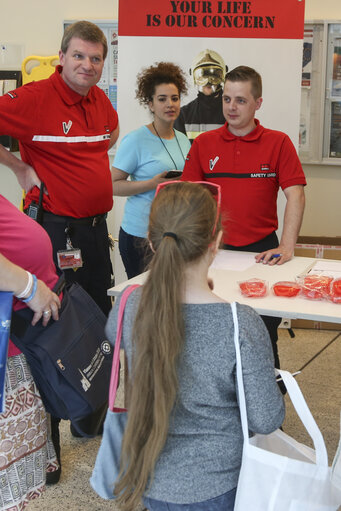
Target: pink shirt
(25,243)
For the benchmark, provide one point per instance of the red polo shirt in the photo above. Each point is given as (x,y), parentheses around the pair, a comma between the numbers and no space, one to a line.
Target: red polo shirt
(250,170)
(65,137)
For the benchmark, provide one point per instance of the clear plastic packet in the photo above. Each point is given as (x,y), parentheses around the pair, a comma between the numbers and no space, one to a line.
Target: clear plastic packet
(253,288)
(286,288)
(335,291)
(315,287)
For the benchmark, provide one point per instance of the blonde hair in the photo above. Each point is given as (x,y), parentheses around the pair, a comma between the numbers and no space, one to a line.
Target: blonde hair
(187,211)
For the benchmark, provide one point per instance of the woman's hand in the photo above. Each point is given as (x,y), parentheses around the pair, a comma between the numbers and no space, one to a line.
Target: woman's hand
(159,178)
(44,304)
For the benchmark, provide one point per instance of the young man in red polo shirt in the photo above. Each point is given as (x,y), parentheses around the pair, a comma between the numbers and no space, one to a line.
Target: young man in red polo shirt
(251,163)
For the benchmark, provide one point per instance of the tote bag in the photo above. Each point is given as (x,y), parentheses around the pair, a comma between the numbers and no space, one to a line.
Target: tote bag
(277,472)
(70,359)
(6,299)
(107,464)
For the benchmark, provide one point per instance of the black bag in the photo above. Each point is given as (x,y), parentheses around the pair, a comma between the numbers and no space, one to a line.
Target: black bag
(70,359)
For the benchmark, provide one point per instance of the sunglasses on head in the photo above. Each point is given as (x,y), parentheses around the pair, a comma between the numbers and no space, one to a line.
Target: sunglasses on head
(213,188)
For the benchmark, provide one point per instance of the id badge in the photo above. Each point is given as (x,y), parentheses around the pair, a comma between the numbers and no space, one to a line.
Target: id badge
(69,259)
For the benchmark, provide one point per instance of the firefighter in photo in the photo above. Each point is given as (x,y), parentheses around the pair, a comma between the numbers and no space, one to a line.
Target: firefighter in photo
(205,112)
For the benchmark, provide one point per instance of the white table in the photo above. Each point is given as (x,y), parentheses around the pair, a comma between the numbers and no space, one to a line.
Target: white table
(226,286)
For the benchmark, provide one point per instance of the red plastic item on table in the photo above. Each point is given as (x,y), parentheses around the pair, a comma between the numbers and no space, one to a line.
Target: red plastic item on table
(253,288)
(335,291)
(316,287)
(286,288)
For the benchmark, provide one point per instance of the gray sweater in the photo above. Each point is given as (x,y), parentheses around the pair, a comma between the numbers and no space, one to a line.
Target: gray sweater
(202,456)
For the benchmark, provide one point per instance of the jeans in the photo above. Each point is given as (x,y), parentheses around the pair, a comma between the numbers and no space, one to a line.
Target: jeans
(224,502)
(135,253)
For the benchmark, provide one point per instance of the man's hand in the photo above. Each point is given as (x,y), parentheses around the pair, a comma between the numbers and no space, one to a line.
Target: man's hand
(25,174)
(27,178)
(279,255)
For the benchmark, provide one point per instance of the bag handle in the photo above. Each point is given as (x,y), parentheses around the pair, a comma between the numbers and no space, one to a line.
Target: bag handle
(306,416)
(116,358)
(294,393)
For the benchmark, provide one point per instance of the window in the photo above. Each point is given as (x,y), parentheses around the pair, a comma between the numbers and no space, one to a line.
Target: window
(320,117)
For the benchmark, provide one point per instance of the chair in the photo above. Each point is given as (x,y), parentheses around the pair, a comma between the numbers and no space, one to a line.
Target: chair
(36,68)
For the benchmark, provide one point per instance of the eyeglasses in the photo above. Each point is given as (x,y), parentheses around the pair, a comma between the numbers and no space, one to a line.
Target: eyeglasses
(213,188)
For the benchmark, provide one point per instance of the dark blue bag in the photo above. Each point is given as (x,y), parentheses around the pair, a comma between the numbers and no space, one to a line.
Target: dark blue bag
(70,359)
(6,300)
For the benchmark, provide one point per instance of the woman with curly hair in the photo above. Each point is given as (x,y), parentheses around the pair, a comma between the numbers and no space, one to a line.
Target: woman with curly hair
(146,155)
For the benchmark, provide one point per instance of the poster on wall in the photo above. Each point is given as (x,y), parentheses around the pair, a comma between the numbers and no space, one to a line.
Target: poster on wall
(335,130)
(214,18)
(262,34)
(336,86)
(307,57)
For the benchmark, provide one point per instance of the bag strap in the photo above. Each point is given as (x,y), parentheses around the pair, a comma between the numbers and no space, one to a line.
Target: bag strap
(306,416)
(115,368)
(294,393)
(240,382)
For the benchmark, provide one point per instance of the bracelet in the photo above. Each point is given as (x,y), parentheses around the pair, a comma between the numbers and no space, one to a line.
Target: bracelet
(27,288)
(33,292)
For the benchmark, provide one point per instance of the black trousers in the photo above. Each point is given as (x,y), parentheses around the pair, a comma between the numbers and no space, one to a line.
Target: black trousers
(271,322)
(135,253)
(95,275)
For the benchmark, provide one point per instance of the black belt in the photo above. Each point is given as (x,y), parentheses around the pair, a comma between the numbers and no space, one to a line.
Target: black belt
(92,221)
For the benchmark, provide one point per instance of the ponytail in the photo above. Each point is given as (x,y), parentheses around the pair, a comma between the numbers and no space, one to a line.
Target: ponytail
(180,231)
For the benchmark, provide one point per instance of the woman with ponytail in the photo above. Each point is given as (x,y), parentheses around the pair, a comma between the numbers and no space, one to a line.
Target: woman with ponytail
(183,442)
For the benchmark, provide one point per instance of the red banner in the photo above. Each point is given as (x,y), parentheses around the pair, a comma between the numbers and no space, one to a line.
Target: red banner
(273,19)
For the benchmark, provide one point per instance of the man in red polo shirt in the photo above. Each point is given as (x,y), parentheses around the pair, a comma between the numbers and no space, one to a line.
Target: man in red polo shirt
(250,163)
(65,126)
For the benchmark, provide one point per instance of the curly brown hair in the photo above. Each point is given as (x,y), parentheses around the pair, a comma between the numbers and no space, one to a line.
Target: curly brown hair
(160,72)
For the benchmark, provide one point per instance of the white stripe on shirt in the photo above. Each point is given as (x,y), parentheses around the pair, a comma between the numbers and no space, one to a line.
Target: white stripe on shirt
(70,140)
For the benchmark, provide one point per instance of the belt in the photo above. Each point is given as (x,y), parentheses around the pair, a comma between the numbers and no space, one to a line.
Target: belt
(92,221)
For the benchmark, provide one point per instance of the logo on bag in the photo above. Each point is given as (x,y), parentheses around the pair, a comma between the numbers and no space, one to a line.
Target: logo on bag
(105,348)
(84,382)
(67,127)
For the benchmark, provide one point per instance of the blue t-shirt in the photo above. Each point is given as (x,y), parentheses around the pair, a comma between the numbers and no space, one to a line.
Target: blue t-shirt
(142,155)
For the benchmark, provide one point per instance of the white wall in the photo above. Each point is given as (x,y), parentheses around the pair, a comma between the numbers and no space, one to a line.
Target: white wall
(323,10)
(38,25)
